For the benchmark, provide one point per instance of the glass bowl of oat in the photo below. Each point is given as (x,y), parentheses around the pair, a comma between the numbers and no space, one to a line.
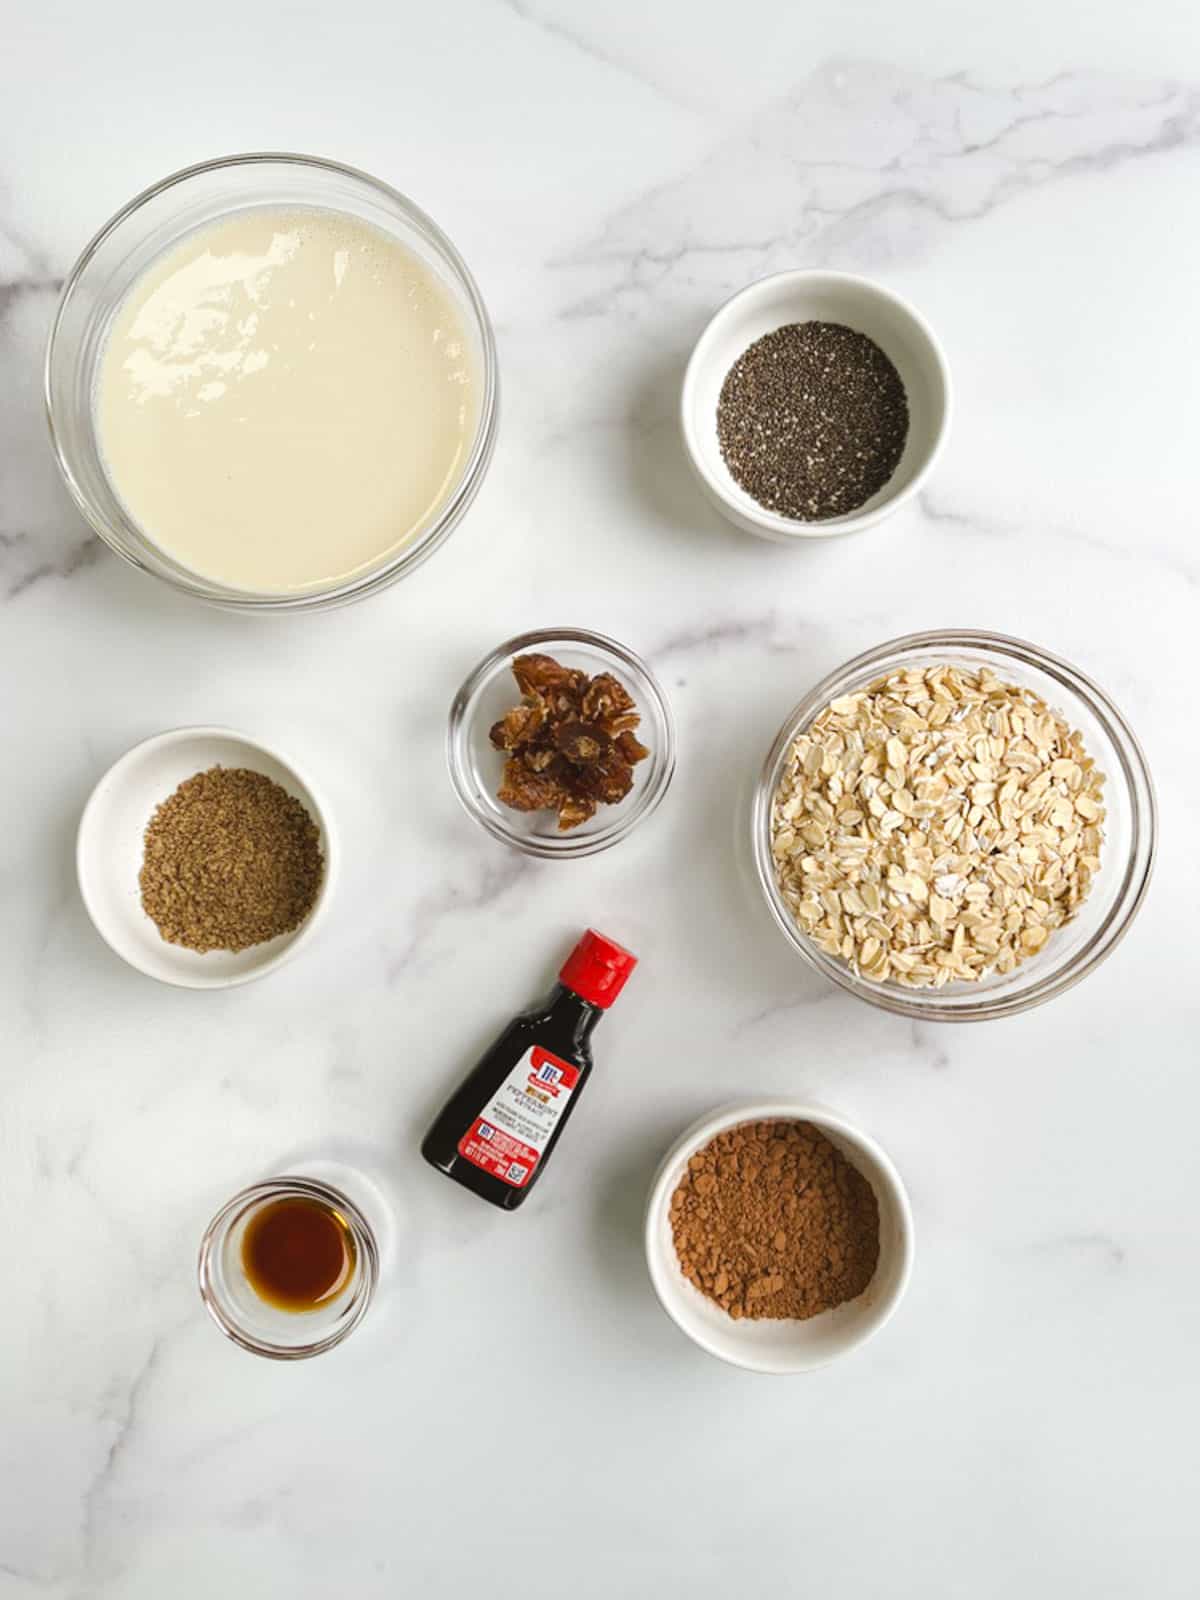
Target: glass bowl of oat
(560,742)
(955,826)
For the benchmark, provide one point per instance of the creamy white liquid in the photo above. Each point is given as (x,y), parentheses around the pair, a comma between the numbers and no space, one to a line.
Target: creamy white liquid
(285,399)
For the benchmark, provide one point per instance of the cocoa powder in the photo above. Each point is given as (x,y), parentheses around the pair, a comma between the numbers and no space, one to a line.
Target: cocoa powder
(771,1220)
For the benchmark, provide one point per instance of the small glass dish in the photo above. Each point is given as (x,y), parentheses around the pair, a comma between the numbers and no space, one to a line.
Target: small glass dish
(476,765)
(1130,827)
(253,1323)
(156,220)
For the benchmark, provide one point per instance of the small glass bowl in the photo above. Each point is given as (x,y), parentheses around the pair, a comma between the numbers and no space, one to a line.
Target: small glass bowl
(156,220)
(252,1323)
(476,765)
(1130,827)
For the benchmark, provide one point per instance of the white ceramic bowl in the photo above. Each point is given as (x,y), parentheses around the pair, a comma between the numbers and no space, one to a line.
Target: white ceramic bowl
(770,1345)
(108,854)
(805,296)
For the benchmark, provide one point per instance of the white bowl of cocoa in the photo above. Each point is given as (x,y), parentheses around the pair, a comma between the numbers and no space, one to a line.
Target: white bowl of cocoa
(778,1236)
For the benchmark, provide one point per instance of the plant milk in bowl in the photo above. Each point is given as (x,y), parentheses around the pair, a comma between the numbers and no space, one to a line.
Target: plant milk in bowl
(286,398)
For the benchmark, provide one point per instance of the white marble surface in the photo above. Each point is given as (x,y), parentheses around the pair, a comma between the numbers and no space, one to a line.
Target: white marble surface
(518,1413)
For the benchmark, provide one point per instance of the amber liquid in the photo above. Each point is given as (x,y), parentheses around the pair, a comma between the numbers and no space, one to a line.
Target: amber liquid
(298,1254)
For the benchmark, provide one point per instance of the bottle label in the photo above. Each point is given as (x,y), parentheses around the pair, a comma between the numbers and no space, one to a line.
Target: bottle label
(509,1136)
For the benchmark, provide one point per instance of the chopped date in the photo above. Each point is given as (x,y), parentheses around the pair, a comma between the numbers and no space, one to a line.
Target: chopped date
(605,697)
(572,811)
(582,742)
(630,748)
(569,742)
(541,758)
(538,674)
(607,781)
(519,725)
(523,790)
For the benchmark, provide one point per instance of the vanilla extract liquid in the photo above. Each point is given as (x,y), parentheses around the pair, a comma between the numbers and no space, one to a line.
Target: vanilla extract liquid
(297,1254)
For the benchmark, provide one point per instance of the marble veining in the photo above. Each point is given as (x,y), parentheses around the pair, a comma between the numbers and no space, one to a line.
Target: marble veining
(869,162)
(963,524)
(516,1414)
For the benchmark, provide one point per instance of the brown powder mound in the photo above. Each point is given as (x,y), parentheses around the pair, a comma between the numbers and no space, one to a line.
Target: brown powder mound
(230,860)
(771,1220)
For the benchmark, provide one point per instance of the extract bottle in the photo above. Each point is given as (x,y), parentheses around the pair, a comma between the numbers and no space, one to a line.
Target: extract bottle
(498,1130)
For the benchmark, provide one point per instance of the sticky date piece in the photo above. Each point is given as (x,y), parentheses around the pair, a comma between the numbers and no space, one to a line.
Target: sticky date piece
(582,742)
(629,748)
(520,725)
(523,790)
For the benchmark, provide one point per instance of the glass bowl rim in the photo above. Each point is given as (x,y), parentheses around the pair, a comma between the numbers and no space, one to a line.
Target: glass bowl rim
(288,1184)
(410,556)
(926,1006)
(554,847)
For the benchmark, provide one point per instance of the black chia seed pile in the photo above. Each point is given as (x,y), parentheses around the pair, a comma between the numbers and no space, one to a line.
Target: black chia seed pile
(812,420)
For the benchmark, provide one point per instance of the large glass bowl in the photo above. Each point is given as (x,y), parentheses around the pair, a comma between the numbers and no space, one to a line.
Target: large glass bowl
(154,222)
(1130,826)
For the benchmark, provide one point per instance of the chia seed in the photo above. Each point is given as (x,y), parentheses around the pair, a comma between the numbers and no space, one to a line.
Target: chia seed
(812,420)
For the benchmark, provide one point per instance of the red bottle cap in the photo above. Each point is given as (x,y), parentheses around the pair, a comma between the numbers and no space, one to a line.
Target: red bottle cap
(596,969)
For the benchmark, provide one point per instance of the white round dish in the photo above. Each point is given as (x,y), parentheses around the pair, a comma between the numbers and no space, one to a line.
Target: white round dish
(806,296)
(108,854)
(782,1346)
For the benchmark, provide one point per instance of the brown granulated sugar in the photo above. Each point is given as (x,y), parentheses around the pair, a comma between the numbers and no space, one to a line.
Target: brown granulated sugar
(771,1220)
(231,859)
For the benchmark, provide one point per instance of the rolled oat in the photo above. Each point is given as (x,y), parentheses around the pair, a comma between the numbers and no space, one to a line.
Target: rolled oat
(937,826)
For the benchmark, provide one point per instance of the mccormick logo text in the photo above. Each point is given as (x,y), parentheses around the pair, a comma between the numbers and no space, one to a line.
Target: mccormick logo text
(547,1077)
